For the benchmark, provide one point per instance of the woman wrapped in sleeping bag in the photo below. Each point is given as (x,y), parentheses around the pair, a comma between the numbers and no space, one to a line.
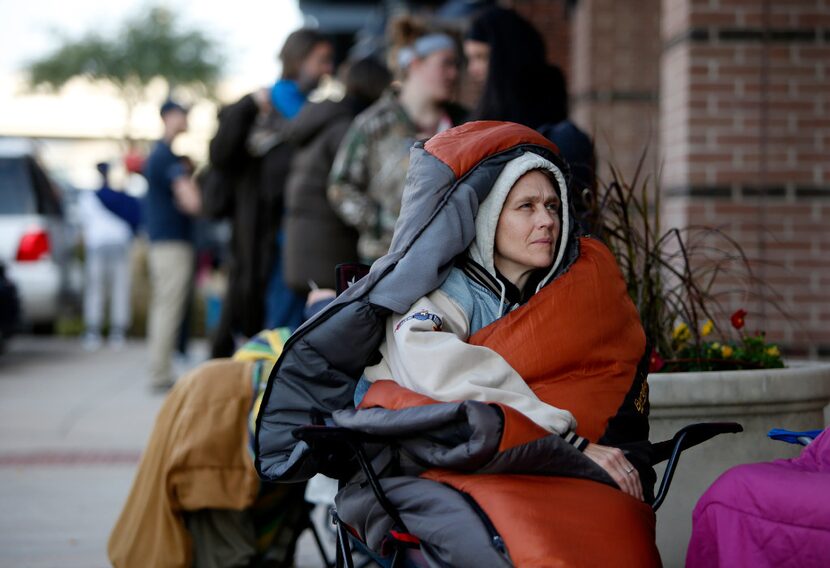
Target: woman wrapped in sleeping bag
(516,384)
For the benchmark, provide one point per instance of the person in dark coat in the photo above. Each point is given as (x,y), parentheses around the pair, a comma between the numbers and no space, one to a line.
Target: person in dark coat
(316,240)
(507,56)
(250,159)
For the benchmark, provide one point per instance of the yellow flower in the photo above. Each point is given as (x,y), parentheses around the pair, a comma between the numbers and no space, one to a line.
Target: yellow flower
(681,332)
(716,346)
(707,328)
(726,351)
(773,351)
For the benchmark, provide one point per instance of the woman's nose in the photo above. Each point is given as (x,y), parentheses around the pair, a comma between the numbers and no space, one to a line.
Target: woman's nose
(546,219)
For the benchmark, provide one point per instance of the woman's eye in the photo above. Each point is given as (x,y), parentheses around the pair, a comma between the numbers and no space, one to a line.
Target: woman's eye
(553,207)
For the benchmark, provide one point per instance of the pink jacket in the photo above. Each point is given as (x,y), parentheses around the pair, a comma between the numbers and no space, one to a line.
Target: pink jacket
(767,514)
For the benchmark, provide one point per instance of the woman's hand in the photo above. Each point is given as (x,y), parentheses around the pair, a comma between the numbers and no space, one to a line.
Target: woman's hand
(620,469)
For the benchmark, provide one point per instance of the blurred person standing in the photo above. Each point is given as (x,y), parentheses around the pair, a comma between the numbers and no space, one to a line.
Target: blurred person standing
(199,229)
(171,201)
(367,178)
(251,159)
(109,220)
(506,55)
(316,240)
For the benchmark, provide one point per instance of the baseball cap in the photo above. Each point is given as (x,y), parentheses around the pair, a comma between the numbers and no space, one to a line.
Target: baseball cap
(170,105)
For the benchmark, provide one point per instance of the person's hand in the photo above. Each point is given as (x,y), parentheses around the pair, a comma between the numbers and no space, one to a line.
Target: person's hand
(262,98)
(620,469)
(320,294)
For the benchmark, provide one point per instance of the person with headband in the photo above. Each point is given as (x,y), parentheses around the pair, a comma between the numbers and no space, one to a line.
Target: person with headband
(367,179)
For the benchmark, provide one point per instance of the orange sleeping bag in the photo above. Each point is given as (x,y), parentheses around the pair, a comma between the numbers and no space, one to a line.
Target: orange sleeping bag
(577,343)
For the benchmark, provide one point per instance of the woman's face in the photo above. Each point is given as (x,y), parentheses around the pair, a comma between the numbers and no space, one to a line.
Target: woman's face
(478,59)
(436,74)
(528,226)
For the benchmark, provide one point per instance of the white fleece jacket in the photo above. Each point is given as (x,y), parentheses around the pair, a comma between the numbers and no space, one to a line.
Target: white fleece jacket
(426,349)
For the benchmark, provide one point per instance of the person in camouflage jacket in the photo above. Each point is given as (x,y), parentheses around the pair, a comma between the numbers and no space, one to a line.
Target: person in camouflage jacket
(367,179)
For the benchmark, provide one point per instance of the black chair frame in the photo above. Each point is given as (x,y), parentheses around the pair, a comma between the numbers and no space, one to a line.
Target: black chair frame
(668,450)
(315,435)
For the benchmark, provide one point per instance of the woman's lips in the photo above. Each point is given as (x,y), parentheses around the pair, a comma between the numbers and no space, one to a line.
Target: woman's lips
(542,242)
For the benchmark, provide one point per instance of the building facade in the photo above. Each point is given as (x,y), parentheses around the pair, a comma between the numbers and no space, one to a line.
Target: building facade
(729,98)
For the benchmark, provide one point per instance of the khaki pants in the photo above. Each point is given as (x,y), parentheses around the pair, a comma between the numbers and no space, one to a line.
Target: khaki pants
(171,270)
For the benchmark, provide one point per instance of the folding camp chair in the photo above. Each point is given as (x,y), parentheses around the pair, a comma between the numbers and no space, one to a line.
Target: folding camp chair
(405,546)
(804,438)
(402,541)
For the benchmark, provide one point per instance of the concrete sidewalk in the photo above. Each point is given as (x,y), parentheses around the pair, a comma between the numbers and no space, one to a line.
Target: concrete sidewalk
(72,427)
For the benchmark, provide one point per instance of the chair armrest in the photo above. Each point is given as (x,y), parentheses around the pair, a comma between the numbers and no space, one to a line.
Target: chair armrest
(343,439)
(318,433)
(685,438)
(804,438)
(691,436)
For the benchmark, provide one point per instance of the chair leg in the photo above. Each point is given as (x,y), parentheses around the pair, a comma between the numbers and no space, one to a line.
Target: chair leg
(399,557)
(377,488)
(343,557)
(328,563)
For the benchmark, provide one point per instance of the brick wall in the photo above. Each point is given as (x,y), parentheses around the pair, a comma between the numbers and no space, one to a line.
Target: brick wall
(610,53)
(745,141)
(615,64)
(732,97)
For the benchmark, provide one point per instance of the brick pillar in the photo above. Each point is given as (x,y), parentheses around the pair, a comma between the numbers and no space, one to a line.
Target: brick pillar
(745,143)
(614,79)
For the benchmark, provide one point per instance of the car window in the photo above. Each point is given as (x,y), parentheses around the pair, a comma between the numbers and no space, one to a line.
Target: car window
(48,199)
(17,196)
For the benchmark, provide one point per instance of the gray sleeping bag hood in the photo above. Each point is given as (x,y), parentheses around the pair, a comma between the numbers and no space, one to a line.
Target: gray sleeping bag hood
(316,374)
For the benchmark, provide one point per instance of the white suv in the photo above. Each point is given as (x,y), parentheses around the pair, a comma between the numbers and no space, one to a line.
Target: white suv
(36,242)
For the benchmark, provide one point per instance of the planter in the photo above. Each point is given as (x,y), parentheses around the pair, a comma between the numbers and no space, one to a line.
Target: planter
(796,398)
